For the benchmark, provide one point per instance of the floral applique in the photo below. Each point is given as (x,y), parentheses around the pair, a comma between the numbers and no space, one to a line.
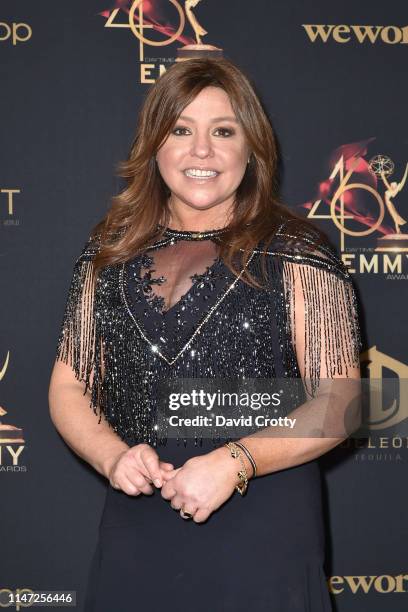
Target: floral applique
(203,281)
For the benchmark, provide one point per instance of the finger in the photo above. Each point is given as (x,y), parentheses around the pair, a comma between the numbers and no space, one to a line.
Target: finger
(138,480)
(145,487)
(170,474)
(166,466)
(189,510)
(136,476)
(176,502)
(201,515)
(127,486)
(147,478)
(150,461)
(168,491)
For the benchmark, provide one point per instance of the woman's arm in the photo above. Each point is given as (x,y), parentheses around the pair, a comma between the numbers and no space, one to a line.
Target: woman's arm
(322,319)
(276,449)
(326,338)
(76,386)
(95,442)
(86,433)
(90,436)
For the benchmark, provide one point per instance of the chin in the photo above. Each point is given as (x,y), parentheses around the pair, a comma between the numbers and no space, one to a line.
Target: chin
(196,201)
(201,205)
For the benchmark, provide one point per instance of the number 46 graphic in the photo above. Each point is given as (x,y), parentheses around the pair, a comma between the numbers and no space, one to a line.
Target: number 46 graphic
(337,205)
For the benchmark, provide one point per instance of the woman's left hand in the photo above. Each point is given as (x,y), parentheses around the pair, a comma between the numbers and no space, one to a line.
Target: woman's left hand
(202,484)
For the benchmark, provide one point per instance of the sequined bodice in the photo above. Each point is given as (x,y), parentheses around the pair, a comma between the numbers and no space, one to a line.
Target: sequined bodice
(176,311)
(172,288)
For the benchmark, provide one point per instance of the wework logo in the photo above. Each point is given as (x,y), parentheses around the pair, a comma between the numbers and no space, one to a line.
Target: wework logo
(366,584)
(391,35)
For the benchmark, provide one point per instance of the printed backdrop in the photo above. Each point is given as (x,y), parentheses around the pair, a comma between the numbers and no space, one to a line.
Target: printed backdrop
(332,76)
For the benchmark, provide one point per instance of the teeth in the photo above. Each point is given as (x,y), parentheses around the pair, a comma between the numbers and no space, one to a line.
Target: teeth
(202,173)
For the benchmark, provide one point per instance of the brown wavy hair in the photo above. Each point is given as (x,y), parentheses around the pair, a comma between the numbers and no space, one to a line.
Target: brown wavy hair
(131,223)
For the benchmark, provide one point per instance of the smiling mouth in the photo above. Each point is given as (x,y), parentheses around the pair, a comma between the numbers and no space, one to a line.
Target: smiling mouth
(201,177)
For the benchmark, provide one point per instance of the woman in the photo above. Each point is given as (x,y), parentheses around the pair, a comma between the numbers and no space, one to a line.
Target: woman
(199,272)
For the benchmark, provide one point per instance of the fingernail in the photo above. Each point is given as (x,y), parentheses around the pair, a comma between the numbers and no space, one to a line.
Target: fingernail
(157,482)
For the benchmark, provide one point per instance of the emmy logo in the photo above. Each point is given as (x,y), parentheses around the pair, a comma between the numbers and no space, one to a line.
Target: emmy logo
(383,167)
(199,49)
(9,433)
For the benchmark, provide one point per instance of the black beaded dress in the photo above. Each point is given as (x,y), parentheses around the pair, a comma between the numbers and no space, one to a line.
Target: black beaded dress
(176,311)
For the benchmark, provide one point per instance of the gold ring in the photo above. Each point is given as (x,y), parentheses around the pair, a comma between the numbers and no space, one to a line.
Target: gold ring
(184,514)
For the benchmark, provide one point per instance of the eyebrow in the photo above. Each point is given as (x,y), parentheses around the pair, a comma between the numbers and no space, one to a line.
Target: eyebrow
(213,120)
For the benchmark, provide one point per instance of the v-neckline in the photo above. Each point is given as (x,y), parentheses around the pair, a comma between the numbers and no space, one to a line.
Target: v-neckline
(169,235)
(166,314)
(155,328)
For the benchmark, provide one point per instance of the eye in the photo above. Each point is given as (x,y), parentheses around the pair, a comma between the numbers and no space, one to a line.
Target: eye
(177,129)
(229,132)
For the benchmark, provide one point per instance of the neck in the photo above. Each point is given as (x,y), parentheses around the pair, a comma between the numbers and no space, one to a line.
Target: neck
(197,221)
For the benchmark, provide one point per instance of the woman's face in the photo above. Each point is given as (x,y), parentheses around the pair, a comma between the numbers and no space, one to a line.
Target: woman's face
(206,136)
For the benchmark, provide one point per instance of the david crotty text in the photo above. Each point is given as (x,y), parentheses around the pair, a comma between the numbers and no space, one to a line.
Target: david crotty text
(219,421)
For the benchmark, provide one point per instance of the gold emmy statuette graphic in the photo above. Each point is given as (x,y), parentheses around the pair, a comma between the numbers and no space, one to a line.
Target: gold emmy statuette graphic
(382,166)
(9,433)
(199,49)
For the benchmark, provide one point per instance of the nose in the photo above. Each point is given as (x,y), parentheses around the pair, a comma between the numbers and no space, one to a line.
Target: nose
(201,145)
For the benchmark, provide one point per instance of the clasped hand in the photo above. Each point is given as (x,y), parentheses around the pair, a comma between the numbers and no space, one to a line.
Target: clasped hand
(200,486)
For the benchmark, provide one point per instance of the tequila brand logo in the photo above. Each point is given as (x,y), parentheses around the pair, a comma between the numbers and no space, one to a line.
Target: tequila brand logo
(385,407)
(388,397)
(361,200)
(370,34)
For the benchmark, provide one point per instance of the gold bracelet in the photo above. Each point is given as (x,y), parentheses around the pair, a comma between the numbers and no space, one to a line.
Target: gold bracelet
(242,486)
(250,457)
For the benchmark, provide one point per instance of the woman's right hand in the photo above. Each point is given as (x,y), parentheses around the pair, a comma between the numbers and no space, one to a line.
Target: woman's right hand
(134,469)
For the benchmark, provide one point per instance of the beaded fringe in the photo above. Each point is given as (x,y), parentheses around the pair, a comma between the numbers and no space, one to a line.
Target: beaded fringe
(313,303)
(77,344)
(331,341)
